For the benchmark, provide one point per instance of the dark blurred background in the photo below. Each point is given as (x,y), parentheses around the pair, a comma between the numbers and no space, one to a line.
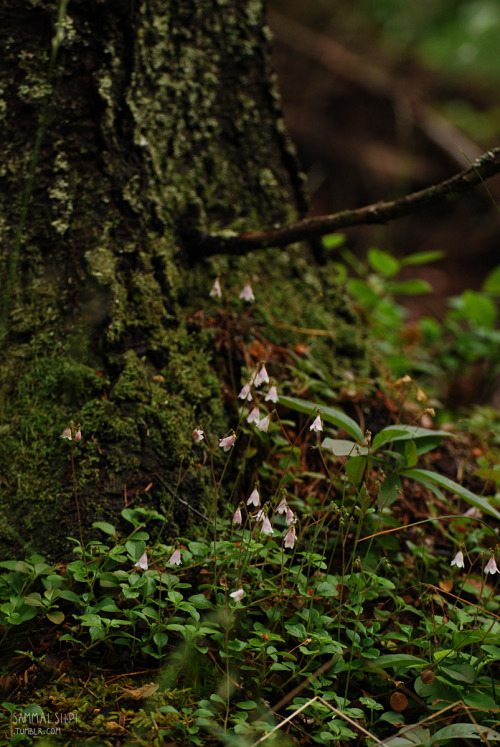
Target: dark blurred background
(381,97)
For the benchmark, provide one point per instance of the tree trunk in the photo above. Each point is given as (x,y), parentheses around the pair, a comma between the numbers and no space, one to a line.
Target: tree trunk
(151,121)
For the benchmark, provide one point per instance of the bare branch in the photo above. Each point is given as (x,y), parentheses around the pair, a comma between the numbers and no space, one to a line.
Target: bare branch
(206,245)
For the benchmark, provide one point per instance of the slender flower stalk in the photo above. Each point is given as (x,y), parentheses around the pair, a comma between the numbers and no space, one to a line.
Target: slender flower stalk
(68,434)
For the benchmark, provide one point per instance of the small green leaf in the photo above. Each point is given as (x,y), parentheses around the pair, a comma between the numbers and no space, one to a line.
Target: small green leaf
(480,700)
(247,705)
(479,309)
(362,293)
(492,282)
(389,491)
(333,240)
(105,527)
(383,263)
(70,596)
(201,602)
(422,258)
(411,454)
(413,287)
(460,672)
(355,469)
(34,599)
(56,616)
(135,548)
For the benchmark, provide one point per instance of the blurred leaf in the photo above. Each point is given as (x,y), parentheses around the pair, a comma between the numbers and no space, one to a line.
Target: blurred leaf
(415,738)
(413,287)
(465,731)
(333,240)
(434,477)
(489,473)
(492,282)
(479,309)
(383,263)
(355,469)
(422,258)
(362,292)
(389,491)
(411,454)
(56,616)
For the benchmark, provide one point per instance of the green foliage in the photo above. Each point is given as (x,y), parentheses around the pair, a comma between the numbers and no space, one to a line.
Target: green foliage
(437,350)
(251,615)
(323,605)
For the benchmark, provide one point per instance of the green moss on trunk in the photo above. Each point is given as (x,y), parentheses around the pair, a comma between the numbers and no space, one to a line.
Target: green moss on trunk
(163,118)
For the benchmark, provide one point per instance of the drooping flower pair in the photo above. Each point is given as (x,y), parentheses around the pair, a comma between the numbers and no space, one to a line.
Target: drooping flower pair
(245,295)
(490,567)
(69,433)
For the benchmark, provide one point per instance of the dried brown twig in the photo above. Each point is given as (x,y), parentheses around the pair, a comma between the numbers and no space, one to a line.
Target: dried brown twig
(205,245)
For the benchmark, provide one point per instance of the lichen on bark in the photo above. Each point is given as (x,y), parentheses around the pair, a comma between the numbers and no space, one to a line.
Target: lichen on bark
(162,118)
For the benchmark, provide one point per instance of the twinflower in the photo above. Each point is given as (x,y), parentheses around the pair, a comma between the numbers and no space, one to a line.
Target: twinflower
(317,425)
(175,558)
(216,291)
(254,499)
(227,442)
(142,562)
(458,560)
(247,293)
(290,537)
(266,527)
(491,566)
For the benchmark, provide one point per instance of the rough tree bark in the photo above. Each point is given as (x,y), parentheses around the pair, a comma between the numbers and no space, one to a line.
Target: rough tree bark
(158,118)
